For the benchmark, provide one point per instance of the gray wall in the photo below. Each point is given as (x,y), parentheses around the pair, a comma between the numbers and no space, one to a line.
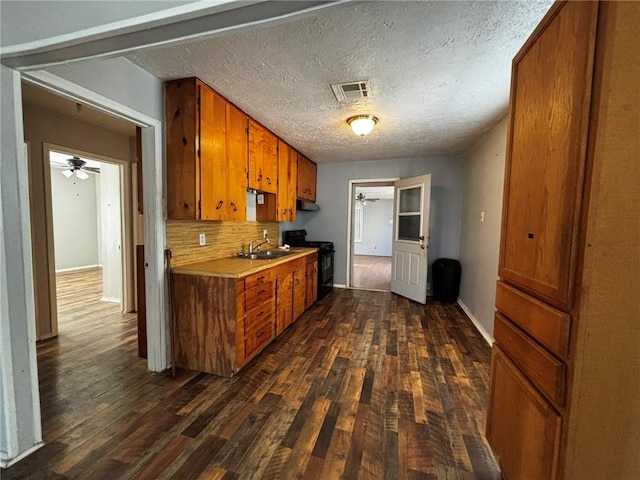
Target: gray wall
(330,223)
(377,231)
(480,244)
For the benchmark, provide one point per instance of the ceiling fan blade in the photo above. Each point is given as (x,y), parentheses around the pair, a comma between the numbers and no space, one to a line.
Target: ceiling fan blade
(92,169)
(59,165)
(81,175)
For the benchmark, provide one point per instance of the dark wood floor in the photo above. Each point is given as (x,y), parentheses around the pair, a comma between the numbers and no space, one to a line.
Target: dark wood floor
(365,385)
(372,272)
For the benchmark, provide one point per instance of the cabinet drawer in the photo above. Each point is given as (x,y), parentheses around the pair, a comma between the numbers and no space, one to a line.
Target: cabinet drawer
(546,372)
(523,429)
(258,295)
(547,325)
(259,329)
(256,279)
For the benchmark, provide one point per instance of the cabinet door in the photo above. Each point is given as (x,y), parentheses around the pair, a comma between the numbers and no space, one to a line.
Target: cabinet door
(550,99)
(312,283)
(263,158)
(287,176)
(522,427)
(284,302)
(307,172)
(182,137)
(237,154)
(299,291)
(214,178)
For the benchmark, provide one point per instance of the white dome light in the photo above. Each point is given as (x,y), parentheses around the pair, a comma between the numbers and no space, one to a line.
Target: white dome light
(362,124)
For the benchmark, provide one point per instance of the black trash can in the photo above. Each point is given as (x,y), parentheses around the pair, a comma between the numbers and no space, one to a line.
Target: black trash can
(445,276)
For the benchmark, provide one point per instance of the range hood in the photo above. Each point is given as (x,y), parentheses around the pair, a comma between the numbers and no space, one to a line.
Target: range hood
(306,205)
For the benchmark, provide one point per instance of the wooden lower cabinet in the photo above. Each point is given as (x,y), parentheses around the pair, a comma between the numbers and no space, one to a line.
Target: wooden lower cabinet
(257,327)
(205,317)
(299,291)
(220,324)
(284,301)
(523,428)
(312,280)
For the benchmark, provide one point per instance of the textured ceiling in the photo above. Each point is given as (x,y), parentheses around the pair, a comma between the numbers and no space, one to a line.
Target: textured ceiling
(439,74)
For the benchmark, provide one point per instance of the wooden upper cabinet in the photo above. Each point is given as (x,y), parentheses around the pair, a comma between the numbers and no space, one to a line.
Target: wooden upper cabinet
(287,181)
(237,153)
(307,173)
(206,154)
(546,148)
(214,201)
(183,145)
(263,158)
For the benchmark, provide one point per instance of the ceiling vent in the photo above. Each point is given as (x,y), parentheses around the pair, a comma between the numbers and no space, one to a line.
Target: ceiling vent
(351,91)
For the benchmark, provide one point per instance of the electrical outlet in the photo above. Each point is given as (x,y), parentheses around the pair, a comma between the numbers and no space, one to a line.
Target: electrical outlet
(481,217)
(203,239)
(264,233)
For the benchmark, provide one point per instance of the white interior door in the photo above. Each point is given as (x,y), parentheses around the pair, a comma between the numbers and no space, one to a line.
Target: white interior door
(411,237)
(111,220)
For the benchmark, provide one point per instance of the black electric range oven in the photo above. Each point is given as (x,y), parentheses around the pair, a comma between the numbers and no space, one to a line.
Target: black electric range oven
(297,238)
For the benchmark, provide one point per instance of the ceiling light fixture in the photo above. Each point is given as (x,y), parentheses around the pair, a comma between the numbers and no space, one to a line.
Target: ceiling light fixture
(362,124)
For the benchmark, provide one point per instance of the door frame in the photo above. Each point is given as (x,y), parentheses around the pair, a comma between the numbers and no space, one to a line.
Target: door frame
(126,223)
(158,346)
(367,182)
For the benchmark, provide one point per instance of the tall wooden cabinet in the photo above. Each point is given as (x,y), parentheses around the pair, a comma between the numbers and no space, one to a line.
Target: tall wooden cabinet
(564,398)
(206,154)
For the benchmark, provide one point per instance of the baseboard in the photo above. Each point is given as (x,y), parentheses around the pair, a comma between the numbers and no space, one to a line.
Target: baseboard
(78,269)
(339,285)
(487,336)
(6,463)
(111,299)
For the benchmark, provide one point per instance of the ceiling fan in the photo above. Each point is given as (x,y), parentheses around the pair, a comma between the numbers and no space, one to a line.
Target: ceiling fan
(75,165)
(363,199)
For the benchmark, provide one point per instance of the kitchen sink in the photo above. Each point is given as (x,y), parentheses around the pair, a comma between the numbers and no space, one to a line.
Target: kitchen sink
(269,254)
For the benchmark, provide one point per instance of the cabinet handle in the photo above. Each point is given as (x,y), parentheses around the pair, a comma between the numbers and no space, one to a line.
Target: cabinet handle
(219,206)
(259,334)
(269,180)
(260,292)
(261,277)
(260,313)
(233,205)
(260,177)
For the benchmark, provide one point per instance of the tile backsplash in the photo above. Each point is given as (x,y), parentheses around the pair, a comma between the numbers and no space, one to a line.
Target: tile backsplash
(223,239)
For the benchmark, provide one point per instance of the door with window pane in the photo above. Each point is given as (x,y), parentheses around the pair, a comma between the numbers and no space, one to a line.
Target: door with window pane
(410,242)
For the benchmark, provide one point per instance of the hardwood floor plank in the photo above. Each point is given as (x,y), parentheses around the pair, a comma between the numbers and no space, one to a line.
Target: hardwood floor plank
(364,385)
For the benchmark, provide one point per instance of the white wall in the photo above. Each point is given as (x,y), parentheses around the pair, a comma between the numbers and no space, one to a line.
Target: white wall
(75,227)
(119,80)
(480,244)
(377,231)
(330,223)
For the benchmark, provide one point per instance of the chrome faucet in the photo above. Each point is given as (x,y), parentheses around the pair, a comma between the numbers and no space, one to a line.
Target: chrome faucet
(256,248)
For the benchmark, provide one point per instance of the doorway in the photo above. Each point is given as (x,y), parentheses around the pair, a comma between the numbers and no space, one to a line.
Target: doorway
(92,243)
(370,234)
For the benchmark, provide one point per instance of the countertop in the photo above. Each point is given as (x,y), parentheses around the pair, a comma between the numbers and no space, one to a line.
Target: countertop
(234,267)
